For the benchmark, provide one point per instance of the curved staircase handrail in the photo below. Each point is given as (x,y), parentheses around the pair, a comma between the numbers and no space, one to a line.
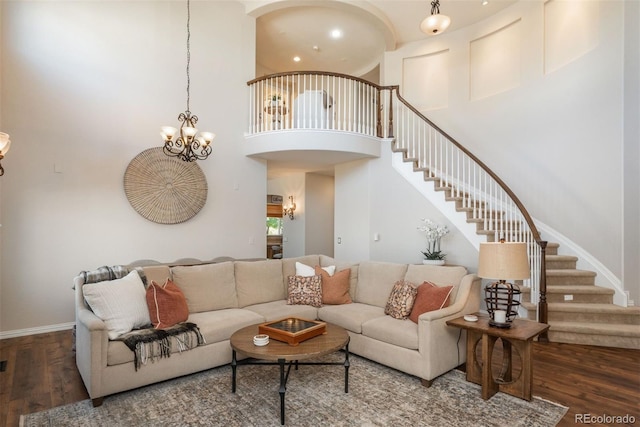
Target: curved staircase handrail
(480,163)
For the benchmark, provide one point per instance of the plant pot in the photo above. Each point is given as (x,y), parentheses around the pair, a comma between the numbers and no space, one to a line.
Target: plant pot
(433,261)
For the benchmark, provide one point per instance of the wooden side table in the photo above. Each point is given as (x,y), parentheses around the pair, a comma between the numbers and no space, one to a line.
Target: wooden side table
(519,336)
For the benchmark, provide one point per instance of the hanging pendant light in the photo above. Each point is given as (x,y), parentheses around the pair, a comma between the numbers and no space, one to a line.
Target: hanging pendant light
(436,23)
(188,146)
(5,144)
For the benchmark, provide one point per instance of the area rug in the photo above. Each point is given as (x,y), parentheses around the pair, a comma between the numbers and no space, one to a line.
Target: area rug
(378,396)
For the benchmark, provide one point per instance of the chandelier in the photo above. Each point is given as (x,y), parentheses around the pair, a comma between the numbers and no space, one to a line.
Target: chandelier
(189,146)
(5,143)
(435,23)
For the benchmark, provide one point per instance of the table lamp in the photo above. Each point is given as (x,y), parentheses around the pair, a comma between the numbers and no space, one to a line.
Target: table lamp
(503,261)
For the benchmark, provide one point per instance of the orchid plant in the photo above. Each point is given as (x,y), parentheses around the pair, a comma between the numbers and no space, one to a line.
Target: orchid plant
(433,232)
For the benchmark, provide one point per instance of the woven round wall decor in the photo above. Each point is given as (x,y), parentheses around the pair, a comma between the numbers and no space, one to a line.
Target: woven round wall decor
(164,189)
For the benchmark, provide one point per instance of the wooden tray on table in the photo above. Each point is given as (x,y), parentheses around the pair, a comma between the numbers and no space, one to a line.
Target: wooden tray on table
(293,330)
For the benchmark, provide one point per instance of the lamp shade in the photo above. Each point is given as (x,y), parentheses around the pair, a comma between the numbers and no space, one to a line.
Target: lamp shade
(435,24)
(503,261)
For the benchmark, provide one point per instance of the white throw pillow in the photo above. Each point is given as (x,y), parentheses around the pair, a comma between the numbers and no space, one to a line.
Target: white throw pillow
(120,303)
(306,271)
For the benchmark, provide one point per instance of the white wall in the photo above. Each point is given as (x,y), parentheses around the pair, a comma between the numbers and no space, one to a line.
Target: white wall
(552,126)
(319,218)
(85,87)
(374,200)
(631,274)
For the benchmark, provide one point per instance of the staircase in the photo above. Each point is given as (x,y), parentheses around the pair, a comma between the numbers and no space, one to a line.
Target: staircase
(579,311)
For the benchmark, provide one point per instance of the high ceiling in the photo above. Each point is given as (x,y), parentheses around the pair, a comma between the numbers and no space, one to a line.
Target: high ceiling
(289,28)
(303,28)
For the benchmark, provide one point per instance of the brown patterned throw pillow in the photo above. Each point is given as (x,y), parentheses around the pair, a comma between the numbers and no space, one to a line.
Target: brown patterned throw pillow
(430,297)
(167,304)
(401,300)
(305,290)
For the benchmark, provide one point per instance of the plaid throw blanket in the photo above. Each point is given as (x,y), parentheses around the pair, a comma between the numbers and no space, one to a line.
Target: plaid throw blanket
(101,274)
(151,344)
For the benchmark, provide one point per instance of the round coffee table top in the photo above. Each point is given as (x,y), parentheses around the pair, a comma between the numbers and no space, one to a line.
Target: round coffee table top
(333,340)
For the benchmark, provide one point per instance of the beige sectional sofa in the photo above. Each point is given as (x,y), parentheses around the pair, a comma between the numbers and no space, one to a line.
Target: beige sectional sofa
(226,296)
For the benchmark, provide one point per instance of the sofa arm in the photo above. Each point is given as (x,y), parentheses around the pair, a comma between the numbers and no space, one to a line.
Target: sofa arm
(92,340)
(90,321)
(442,346)
(467,300)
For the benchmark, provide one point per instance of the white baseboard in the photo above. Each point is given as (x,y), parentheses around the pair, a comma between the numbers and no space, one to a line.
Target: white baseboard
(37,330)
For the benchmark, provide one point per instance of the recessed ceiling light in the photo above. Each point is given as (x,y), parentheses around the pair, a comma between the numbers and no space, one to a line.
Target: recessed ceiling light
(485,2)
(336,34)
(296,59)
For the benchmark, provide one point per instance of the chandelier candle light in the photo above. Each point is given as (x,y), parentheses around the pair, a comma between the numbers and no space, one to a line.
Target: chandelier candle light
(433,232)
(189,146)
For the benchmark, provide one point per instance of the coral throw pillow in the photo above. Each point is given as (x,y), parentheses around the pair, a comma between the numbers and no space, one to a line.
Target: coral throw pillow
(305,290)
(335,289)
(401,300)
(430,297)
(167,304)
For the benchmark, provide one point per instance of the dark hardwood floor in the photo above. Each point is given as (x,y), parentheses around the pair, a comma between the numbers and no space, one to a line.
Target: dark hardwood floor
(41,373)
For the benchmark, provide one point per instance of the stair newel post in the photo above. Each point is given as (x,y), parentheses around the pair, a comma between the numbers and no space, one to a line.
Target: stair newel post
(378,115)
(542,304)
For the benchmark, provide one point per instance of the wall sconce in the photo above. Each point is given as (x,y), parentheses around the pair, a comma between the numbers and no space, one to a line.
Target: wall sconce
(500,260)
(290,209)
(5,143)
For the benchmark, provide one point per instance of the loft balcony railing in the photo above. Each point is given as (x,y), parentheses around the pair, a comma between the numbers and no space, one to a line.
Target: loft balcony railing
(315,100)
(337,102)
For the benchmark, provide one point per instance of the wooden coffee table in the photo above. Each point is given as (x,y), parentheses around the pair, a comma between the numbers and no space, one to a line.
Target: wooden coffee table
(520,336)
(281,353)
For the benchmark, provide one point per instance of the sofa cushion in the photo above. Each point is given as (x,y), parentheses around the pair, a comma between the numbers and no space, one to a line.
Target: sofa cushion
(401,300)
(276,310)
(120,303)
(403,333)
(167,304)
(207,287)
(156,273)
(305,290)
(440,275)
(219,325)
(375,281)
(259,281)
(335,288)
(430,297)
(350,316)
